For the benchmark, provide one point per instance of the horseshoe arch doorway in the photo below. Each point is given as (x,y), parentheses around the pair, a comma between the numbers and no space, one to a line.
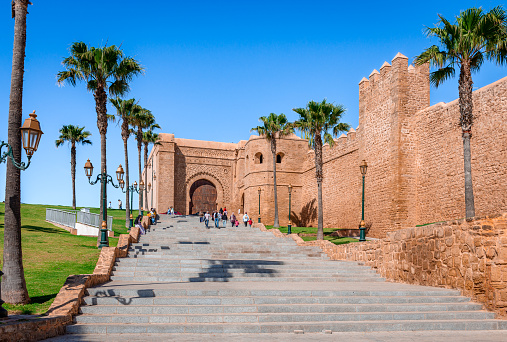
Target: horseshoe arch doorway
(203,197)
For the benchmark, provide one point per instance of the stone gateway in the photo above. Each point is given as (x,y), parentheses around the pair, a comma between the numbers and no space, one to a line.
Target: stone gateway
(414,152)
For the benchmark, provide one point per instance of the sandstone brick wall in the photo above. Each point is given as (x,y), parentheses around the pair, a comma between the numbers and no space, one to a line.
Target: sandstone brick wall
(341,189)
(470,256)
(440,183)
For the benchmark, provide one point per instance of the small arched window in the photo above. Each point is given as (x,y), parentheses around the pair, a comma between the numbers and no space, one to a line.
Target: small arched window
(279,158)
(258,158)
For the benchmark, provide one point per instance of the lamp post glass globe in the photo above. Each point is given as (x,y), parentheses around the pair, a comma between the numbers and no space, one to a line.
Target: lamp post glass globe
(88,169)
(363,166)
(122,184)
(135,185)
(119,173)
(31,134)
(141,185)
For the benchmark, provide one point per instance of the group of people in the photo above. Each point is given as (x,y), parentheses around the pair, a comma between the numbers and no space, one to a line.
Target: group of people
(152,215)
(221,216)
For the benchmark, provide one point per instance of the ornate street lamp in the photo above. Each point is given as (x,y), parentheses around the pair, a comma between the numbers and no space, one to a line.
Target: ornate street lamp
(104,178)
(289,226)
(362,227)
(259,191)
(30,134)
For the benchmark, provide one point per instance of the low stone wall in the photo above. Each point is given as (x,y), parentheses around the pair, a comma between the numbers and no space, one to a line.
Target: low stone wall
(68,299)
(470,256)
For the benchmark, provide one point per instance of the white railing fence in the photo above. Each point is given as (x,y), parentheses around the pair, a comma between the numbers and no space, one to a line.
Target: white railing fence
(69,218)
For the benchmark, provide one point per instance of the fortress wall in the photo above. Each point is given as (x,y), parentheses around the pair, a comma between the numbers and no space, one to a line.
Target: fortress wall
(341,188)
(440,159)
(261,175)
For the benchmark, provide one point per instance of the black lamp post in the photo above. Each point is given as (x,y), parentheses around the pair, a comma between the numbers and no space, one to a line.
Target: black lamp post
(30,134)
(259,191)
(289,226)
(104,178)
(131,189)
(141,192)
(362,227)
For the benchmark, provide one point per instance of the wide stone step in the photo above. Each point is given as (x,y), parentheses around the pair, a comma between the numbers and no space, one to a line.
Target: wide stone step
(331,264)
(220,278)
(124,291)
(252,256)
(246,317)
(225,274)
(269,300)
(276,327)
(239,269)
(204,308)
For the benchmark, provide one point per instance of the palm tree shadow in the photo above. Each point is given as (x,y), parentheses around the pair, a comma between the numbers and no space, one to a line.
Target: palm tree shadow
(42,299)
(224,267)
(44,229)
(307,215)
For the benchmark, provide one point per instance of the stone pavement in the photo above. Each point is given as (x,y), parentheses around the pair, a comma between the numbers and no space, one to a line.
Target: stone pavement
(182,281)
(393,336)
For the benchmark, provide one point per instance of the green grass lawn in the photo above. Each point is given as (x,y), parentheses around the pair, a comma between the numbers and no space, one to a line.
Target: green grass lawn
(51,254)
(313,230)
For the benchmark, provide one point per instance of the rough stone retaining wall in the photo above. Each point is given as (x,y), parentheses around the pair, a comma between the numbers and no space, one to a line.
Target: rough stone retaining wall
(470,256)
(66,303)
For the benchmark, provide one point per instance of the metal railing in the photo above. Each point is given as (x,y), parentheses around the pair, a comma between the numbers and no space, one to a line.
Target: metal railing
(93,220)
(69,218)
(65,218)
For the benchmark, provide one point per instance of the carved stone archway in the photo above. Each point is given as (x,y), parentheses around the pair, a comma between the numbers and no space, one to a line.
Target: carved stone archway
(203,197)
(211,179)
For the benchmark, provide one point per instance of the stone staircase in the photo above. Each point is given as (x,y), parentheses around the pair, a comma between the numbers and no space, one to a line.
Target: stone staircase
(184,278)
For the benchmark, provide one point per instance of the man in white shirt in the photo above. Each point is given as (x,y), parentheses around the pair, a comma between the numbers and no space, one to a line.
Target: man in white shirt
(206,219)
(245,219)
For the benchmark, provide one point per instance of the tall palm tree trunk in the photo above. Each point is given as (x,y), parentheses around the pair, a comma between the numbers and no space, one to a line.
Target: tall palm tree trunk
(73,173)
(13,281)
(466,120)
(319,176)
(139,146)
(276,224)
(127,193)
(100,106)
(146,176)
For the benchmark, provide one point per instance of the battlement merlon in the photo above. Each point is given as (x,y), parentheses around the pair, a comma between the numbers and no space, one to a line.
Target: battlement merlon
(393,80)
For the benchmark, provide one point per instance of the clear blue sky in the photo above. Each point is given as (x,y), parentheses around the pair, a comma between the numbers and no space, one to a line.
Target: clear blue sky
(212,69)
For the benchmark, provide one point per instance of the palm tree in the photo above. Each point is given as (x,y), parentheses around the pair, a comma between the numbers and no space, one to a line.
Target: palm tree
(319,119)
(13,281)
(105,70)
(124,109)
(73,135)
(274,127)
(474,37)
(141,119)
(149,137)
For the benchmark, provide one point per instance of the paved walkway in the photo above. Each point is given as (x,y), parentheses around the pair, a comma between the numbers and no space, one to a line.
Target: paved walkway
(397,336)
